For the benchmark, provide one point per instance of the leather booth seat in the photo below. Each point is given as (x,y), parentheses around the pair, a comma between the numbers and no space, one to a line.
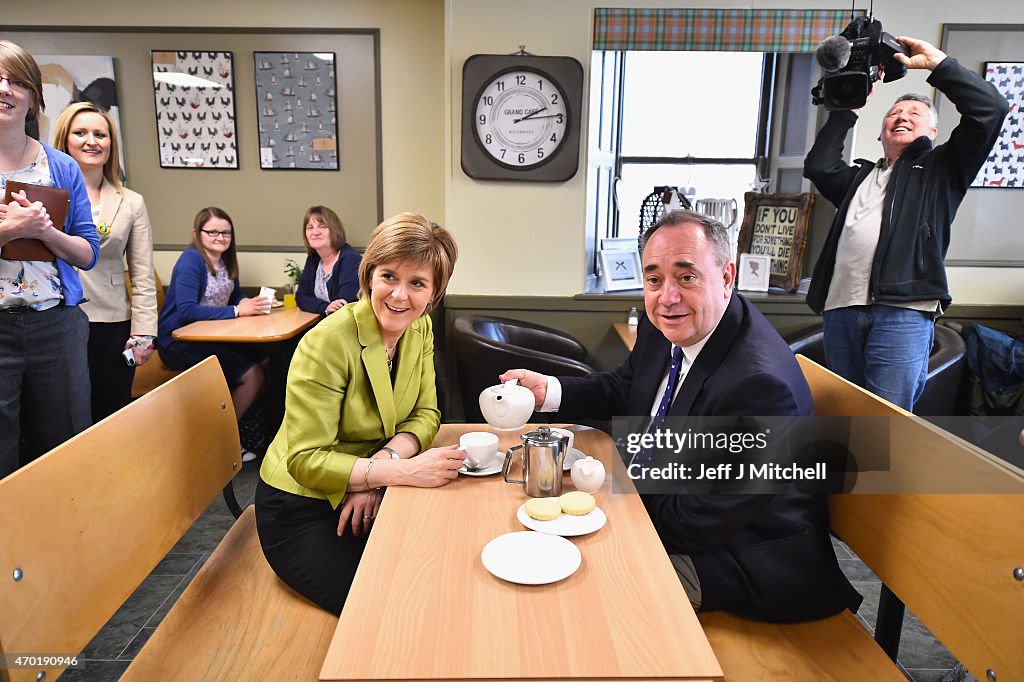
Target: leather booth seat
(945,367)
(486,347)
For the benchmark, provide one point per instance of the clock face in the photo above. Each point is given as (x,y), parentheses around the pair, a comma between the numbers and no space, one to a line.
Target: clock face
(521,119)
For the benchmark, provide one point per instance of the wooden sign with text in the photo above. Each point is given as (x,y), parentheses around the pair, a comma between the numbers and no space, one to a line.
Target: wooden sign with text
(775,225)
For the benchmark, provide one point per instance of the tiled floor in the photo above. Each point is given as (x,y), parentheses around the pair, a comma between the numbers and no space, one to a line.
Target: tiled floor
(922,658)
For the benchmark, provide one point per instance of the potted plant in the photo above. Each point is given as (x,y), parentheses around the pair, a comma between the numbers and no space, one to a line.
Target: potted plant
(294,272)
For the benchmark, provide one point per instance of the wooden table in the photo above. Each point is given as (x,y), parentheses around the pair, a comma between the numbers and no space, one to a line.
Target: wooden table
(423,607)
(281,324)
(627,334)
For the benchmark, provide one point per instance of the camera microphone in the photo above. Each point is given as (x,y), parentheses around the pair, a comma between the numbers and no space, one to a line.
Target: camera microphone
(833,53)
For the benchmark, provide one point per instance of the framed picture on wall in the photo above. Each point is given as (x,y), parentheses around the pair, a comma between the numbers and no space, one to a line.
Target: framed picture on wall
(195,109)
(1004,166)
(296,95)
(775,225)
(71,78)
(752,272)
(620,270)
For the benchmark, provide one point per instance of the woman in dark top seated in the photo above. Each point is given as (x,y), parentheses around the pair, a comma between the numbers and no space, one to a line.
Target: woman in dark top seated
(204,286)
(330,278)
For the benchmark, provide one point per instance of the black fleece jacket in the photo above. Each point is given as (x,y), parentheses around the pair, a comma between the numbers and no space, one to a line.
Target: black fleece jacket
(924,192)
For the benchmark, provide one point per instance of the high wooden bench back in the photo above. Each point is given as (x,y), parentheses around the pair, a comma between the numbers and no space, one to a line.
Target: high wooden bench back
(82,526)
(951,558)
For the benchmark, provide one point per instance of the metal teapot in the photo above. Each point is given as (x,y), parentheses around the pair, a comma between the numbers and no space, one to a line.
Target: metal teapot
(543,452)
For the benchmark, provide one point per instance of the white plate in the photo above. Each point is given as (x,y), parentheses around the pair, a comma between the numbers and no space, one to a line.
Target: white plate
(566,524)
(276,303)
(530,558)
(571,457)
(493,468)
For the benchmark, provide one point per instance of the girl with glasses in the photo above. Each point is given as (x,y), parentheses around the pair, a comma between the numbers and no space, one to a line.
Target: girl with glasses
(204,286)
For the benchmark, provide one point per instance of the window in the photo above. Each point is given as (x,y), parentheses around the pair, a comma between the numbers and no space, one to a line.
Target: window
(688,97)
(669,124)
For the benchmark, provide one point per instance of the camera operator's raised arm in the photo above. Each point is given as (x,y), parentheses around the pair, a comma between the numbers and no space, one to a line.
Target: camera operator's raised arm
(923,55)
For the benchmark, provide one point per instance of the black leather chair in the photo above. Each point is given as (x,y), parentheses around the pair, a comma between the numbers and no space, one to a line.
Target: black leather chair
(487,346)
(945,367)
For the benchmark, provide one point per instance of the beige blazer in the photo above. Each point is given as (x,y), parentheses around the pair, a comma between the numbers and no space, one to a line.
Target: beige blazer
(130,237)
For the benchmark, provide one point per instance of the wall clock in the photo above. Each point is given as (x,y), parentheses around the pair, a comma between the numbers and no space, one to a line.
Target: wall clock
(521,117)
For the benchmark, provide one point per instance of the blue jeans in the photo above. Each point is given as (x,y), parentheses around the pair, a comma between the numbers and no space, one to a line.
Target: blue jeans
(44,382)
(881,348)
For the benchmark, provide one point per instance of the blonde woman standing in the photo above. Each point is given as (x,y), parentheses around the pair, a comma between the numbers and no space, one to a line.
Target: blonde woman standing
(116,325)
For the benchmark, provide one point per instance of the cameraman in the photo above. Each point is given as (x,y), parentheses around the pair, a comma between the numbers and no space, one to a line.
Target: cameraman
(880,278)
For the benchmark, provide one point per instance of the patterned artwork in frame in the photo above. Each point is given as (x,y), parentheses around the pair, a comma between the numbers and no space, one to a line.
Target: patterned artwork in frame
(76,78)
(296,94)
(1005,164)
(195,109)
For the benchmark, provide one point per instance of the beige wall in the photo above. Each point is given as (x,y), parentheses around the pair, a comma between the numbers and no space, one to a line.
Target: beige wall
(514,239)
(511,225)
(412,85)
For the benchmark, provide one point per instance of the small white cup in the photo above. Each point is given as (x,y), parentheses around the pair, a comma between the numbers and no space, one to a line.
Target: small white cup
(267,293)
(480,448)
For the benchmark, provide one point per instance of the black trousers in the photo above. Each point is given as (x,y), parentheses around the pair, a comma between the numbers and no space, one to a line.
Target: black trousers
(299,536)
(111,375)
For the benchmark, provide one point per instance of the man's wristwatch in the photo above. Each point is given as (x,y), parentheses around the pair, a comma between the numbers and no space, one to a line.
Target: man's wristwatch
(391,451)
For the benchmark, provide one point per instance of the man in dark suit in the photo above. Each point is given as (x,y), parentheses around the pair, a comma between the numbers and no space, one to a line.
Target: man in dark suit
(768,556)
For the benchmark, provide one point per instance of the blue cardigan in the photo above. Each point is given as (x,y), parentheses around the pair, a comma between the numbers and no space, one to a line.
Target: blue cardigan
(343,282)
(181,303)
(65,173)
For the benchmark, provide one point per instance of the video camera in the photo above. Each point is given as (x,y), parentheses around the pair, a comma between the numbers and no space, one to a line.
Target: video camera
(852,61)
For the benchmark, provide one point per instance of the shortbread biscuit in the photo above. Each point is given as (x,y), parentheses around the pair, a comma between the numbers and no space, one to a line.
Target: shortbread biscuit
(543,508)
(577,503)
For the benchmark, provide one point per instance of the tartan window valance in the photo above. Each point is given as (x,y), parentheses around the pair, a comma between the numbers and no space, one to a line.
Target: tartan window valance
(747,30)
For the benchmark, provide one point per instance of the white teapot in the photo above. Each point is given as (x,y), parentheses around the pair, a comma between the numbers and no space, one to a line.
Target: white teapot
(507,406)
(587,474)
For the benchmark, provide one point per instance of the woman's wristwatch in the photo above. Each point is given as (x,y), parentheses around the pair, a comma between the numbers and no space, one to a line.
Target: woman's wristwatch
(391,451)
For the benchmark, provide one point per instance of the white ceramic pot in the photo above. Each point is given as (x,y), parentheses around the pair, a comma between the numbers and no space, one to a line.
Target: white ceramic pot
(587,474)
(507,406)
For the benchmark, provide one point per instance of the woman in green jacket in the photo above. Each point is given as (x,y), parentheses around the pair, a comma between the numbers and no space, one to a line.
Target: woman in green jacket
(361,408)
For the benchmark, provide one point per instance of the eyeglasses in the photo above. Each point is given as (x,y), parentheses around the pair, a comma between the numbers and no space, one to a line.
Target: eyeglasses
(16,84)
(217,234)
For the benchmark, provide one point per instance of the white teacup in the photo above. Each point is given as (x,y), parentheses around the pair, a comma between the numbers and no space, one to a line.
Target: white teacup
(480,448)
(267,293)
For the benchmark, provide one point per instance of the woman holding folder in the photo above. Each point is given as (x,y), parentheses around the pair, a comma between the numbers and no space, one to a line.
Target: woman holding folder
(44,372)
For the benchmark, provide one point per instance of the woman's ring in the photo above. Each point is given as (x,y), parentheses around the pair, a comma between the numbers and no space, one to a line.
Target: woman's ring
(367,518)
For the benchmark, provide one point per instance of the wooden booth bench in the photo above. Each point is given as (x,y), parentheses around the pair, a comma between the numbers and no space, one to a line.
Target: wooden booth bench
(82,527)
(956,560)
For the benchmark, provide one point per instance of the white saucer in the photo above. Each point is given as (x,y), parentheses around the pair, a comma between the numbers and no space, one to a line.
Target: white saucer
(491,469)
(529,558)
(566,524)
(571,457)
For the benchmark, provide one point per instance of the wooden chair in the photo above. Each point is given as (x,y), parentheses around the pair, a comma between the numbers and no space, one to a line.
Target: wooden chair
(955,559)
(154,373)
